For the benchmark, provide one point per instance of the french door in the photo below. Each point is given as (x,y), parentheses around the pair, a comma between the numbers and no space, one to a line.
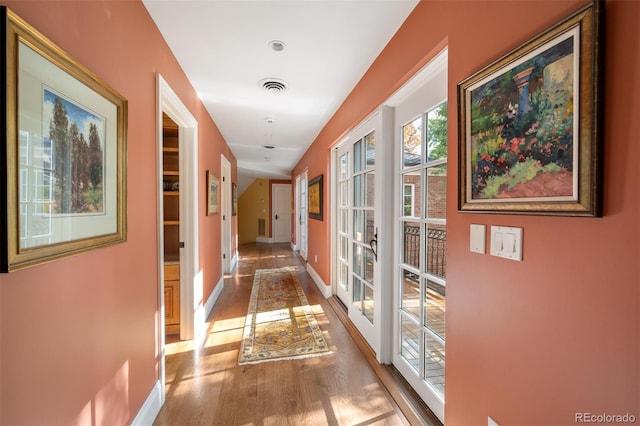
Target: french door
(301,240)
(421,268)
(359,187)
(389,230)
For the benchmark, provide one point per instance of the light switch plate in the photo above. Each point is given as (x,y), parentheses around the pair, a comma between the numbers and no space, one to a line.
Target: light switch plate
(506,242)
(477,238)
(491,422)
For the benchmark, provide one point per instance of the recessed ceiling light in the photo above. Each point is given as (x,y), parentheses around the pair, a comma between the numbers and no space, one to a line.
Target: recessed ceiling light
(277,45)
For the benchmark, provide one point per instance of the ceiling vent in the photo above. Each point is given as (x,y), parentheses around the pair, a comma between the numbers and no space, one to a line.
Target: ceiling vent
(273,85)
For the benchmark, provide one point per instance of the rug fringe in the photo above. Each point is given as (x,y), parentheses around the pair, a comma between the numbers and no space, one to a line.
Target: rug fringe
(286,358)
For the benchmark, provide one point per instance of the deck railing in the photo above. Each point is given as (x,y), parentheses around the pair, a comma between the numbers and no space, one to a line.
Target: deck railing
(435,248)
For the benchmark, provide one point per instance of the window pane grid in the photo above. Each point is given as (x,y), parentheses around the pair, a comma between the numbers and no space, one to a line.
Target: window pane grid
(363,224)
(422,262)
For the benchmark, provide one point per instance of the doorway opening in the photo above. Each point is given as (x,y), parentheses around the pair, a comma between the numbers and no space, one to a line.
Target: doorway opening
(177,221)
(171,227)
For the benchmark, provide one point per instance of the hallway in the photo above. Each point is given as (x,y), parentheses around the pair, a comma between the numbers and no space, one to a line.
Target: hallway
(205,385)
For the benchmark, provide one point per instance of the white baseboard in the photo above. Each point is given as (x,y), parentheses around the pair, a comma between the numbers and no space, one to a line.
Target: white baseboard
(267,240)
(234,261)
(213,297)
(324,289)
(151,407)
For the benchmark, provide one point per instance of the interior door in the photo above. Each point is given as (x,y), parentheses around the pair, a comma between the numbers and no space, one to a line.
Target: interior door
(281,211)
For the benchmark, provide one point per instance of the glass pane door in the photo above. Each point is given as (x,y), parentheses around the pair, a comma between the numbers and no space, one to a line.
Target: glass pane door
(421,270)
(357,271)
(302,220)
(343,256)
(363,218)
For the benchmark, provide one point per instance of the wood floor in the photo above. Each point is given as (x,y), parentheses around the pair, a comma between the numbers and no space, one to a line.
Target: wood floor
(206,386)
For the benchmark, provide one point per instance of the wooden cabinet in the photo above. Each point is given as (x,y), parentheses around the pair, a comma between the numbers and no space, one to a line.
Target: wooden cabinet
(171,190)
(172,298)
(171,220)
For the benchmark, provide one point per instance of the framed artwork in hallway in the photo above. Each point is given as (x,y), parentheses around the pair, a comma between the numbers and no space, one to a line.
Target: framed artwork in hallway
(63,152)
(529,126)
(315,198)
(213,185)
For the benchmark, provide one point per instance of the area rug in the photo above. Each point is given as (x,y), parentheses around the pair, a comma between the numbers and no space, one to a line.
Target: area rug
(279,323)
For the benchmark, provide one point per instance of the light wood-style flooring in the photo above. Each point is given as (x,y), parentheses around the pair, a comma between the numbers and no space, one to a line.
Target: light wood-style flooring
(206,386)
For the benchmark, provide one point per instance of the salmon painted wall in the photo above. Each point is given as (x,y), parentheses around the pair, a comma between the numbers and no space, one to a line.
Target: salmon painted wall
(79,335)
(531,342)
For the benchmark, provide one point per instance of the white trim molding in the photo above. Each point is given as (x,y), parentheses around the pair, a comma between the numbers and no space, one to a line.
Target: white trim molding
(150,408)
(234,261)
(324,288)
(213,297)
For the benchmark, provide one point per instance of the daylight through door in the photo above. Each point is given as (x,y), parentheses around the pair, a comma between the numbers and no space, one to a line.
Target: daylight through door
(357,270)
(422,268)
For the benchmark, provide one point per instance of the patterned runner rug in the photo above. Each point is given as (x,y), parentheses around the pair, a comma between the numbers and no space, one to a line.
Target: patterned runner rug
(279,323)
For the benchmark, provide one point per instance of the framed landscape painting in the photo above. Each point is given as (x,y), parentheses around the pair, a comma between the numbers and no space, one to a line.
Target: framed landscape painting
(64,153)
(529,125)
(315,198)
(213,186)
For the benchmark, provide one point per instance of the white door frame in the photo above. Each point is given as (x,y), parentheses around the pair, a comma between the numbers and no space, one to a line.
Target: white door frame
(227,249)
(191,309)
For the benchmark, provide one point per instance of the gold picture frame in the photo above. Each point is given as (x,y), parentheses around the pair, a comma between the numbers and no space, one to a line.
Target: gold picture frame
(315,198)
(63,153)
(530,125)
(213,190)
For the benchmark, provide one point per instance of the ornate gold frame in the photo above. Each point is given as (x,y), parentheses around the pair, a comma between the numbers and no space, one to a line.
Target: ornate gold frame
(16,36)
(586,197)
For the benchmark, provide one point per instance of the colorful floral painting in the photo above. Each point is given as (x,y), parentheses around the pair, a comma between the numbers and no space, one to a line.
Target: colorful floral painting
(522,127)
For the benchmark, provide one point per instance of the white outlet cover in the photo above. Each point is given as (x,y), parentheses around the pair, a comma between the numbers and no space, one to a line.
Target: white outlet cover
(477,238)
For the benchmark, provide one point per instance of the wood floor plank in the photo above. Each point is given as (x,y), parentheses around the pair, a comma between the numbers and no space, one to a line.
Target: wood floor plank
(206,386)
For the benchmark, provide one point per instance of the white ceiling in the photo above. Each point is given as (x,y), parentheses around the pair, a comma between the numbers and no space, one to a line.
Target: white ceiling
(223,47)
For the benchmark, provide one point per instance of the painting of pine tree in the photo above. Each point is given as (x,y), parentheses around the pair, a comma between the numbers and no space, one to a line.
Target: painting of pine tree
(77,136)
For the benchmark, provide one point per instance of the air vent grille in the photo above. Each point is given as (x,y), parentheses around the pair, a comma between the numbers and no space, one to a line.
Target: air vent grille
(273,85)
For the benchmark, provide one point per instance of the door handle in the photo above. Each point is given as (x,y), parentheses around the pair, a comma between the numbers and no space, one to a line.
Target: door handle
(276,217)
(374,245)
